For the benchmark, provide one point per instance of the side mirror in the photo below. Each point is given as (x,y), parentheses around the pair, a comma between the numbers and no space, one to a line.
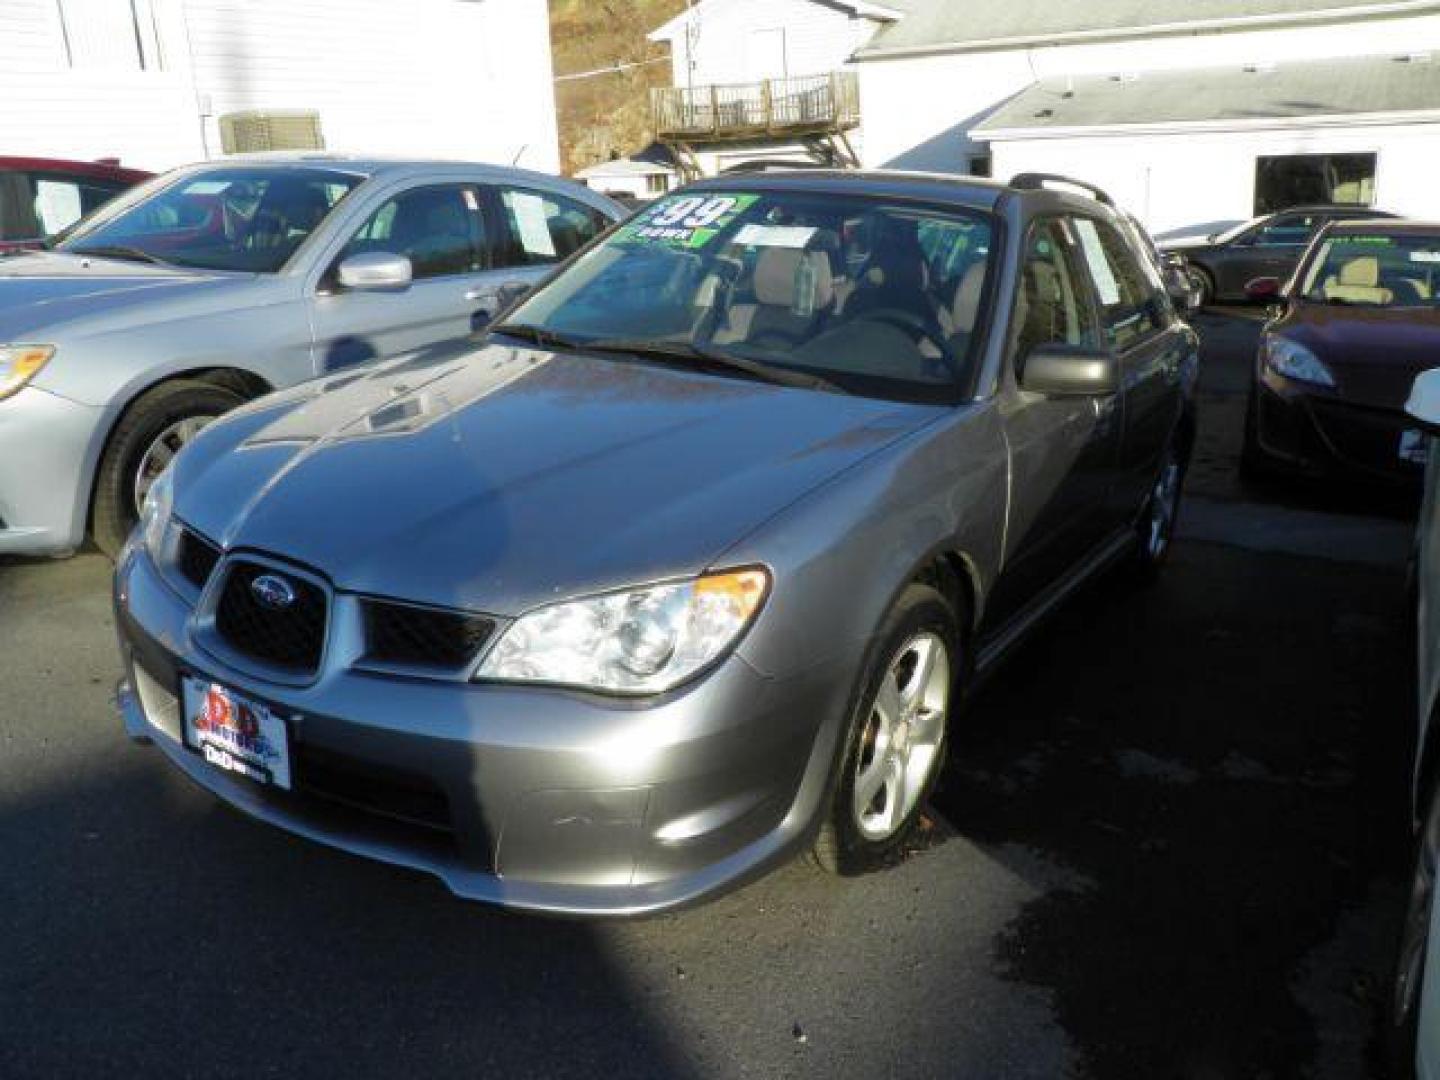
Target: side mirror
(1424,403)
(1070,371)
(1264,289)
(374,270)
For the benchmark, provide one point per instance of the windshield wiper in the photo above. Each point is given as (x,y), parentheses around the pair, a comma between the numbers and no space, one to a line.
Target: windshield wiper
(536,335)
(714,360)
(119,251)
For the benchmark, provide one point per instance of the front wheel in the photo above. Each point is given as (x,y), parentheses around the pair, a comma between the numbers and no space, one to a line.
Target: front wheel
(1404,1018)
(897,734)
(1202,283)
(153,430)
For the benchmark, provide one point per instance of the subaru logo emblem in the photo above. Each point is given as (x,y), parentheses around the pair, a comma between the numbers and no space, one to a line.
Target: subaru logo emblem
(273,591)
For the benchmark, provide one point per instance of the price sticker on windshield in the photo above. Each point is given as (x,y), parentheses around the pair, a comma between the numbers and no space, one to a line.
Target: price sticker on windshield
(686,221)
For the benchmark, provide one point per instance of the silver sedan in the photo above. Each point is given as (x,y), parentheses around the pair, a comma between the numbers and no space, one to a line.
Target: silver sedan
(216,283)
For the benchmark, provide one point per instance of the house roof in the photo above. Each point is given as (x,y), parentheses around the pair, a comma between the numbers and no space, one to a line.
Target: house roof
(624,167)
(881,11)
(1308,90)
(939,26)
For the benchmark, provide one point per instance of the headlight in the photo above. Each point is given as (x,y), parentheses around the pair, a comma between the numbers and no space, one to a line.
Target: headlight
(19,364)
(640,641)
(155,515)
(1285,357)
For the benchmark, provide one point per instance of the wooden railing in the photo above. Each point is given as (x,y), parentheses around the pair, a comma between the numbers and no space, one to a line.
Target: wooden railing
(815,103)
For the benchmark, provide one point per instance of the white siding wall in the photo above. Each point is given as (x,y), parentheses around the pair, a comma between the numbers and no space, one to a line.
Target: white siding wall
(1189,179)
(445,78)
(917,111)
(818,39)
(49,109)
(427,77)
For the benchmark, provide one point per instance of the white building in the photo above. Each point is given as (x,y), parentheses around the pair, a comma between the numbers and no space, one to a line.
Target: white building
(148,80)
(1186,112)
(764,78)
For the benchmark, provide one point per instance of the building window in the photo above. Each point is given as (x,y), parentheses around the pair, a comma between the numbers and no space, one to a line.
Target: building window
(979,165)
(1300,179)
(119,35)
(655,184)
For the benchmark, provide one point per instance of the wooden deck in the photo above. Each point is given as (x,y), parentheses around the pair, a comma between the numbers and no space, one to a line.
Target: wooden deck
(813,105)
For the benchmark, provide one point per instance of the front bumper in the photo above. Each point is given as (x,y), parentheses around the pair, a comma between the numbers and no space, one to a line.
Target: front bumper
(45,444)
(1325,435)
(532,798)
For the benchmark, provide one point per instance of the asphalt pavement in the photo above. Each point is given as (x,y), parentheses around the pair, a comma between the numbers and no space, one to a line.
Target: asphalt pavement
(1169,843)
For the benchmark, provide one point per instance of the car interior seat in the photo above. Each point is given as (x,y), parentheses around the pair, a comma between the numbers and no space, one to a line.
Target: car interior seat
(1358,282)
(794,293)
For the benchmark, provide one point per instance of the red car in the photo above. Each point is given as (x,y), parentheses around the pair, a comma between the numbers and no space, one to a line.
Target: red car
(41,196)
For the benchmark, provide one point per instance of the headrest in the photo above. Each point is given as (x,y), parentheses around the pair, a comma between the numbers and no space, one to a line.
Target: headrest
(794,279)
(966,306)
(1364,272)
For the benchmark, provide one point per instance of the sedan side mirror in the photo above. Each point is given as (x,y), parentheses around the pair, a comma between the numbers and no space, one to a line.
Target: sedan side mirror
(1069,371)
(373,270)
(1264,289)
(1424,403)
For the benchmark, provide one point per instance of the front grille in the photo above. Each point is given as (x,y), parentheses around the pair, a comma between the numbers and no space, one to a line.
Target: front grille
(371,788)
(291,637)
(425,637)
(195,558)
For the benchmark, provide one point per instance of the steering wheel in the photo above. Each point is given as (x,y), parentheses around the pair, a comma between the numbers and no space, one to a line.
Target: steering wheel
(918,328)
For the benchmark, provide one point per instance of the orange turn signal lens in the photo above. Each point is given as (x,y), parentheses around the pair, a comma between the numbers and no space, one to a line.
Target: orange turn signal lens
(19,364)
(742,590)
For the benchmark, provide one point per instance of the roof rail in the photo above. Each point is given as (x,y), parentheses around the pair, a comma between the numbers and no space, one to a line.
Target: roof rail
(1036,181)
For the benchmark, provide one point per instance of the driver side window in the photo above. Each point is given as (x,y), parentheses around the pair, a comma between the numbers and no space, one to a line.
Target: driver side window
(1051,305)
(439,228)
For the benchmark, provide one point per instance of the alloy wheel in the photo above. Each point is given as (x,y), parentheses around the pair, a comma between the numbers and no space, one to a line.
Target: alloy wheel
(900,745)
(161,452)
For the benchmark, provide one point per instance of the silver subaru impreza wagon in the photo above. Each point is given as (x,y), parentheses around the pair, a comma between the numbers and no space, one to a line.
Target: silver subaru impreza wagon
(686,565)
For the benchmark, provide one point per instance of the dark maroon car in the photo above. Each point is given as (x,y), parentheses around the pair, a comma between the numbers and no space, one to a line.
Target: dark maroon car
(41,196)
(1360,318)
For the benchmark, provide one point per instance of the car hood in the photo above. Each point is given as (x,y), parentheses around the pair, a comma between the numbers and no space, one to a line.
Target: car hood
(497,478)
(43,289)
(1374,353)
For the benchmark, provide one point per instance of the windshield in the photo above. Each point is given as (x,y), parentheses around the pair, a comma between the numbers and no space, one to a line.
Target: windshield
(247,219)
(877,298)
(1389,271)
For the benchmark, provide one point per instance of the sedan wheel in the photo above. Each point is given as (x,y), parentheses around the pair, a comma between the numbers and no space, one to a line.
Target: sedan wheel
(902,738)
(162,451)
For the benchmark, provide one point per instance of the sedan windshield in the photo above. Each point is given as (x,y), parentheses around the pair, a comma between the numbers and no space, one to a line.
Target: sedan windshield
(859,294)
(246,219)
(1387,271)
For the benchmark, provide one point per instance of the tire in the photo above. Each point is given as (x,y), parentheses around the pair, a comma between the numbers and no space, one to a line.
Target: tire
(1155,531)
(172,410)
(1257,468)
(1403,1017)
(896,732)
(1204,283)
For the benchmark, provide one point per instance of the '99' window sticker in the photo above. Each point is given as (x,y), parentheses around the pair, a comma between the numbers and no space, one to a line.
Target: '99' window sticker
(687,221)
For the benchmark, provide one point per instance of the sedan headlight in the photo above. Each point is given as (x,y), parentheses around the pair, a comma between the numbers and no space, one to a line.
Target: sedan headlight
(155,514)
(19,364)
(1294,361)
(640,641)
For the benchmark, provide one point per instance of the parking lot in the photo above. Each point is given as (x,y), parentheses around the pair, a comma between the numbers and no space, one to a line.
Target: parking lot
(1169,842)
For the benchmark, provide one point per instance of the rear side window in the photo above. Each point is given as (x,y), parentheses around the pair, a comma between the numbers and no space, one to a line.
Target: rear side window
(1051,305)
(1132,301)
(541,227)
(34,205)
(439,228)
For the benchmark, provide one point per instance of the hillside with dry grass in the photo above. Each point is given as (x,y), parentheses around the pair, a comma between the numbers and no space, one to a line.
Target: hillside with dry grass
(606,114)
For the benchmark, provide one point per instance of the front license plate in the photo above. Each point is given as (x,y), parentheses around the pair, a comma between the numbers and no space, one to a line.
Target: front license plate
(1412,447)
(236,734)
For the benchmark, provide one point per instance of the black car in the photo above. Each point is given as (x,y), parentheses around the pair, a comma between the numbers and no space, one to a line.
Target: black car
(1359,320)
(1222,264)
